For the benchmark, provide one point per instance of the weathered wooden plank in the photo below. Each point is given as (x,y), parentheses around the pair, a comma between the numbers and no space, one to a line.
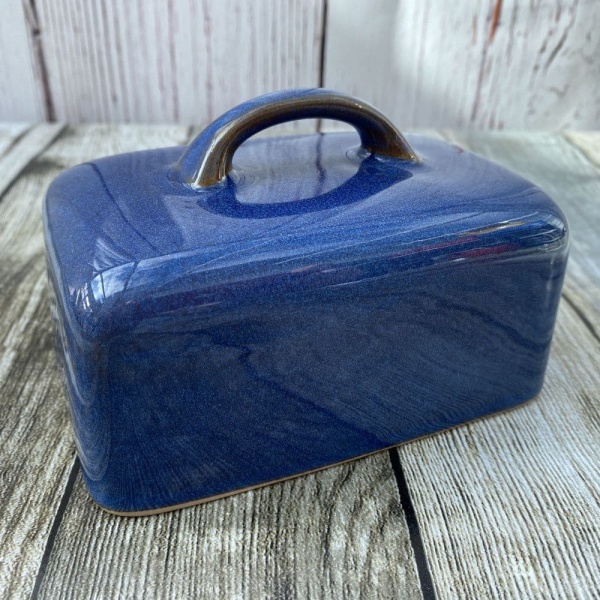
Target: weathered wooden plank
(586,299)
(510,506)
(338,530)
(425,64)
(337,533)
(588,142)
(10,134)
(21,98)
(185,62)
(18,156)
(322,533)
(36,448)
(489,65)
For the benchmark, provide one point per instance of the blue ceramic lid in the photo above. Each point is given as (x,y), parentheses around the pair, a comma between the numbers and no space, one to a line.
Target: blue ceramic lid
(241,311)
(293,210)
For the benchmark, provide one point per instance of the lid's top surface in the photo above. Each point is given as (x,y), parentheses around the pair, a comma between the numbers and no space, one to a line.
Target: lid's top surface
(124,223)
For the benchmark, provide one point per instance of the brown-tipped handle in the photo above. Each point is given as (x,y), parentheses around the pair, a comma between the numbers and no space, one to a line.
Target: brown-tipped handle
(208,158)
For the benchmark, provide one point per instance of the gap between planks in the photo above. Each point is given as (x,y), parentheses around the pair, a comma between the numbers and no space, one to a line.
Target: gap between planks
(36,445)
(24,241)
(512,504)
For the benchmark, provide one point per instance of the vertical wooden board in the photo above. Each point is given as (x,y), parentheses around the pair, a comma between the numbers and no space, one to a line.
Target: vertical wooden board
(485,65)
(21,98)
(246,49)
(36,449)
(333,534)
(185,62)
(390,54)
(540,61)
(510,506)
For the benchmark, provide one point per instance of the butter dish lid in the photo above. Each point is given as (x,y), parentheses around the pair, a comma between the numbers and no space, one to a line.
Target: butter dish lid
(224,212)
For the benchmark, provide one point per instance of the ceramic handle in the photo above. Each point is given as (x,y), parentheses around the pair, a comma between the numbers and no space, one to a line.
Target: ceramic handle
(208,158)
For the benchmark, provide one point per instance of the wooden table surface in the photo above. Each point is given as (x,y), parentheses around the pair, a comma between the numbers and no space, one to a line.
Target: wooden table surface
(506,507)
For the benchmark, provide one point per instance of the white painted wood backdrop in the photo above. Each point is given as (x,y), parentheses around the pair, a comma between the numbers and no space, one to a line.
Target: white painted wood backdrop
(487,64)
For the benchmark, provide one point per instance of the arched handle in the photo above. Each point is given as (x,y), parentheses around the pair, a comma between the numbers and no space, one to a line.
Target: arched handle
(208,158)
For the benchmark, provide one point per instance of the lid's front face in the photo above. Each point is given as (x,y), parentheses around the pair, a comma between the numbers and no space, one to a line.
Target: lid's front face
(127,226)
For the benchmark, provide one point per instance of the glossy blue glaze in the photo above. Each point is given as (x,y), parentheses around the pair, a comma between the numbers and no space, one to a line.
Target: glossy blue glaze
(319,304)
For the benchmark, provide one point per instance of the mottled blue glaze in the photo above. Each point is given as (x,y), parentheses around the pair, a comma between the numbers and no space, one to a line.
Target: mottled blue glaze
(319,304)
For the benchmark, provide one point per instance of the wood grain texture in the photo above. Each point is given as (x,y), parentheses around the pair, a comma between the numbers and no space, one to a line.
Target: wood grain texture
(184,62)
(588,142)
(21,97)
(338,530)
(507,507)
(488,65)
(510,506)
(10,134)
(36,448)
(23,149)
(338,533)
